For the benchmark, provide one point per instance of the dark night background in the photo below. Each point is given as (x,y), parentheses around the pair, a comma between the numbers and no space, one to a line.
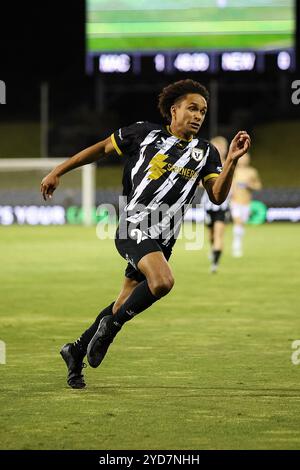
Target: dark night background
(45,43)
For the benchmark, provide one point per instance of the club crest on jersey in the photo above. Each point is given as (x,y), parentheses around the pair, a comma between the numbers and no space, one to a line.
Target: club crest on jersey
(197,154)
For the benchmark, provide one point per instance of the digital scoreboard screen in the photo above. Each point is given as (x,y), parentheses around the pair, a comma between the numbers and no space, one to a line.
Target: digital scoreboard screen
(142,27)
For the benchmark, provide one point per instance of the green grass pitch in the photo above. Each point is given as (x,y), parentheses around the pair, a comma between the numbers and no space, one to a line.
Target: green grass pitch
(208,367)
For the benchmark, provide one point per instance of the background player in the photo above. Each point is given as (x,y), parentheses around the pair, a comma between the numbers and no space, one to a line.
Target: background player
(215,216)
(168,164)
(246,180)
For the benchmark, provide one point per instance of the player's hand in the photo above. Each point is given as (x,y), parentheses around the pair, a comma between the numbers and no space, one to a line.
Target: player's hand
(240,145)
(48,185)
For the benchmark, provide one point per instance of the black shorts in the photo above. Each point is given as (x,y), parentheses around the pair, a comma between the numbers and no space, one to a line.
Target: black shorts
(133,250)
(213,216)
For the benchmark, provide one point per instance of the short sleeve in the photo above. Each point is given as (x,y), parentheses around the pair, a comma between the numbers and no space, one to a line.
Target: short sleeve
(126,139)
(213,166)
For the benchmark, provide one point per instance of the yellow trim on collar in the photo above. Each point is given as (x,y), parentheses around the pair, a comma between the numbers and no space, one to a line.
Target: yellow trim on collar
(170,132)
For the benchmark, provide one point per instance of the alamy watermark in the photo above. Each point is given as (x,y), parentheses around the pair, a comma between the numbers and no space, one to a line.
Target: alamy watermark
(2,352)
(295,357)
(157,221)
(296,94)
(2,92)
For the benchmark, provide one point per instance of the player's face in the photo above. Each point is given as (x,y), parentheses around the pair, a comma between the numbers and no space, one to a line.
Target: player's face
(189,113)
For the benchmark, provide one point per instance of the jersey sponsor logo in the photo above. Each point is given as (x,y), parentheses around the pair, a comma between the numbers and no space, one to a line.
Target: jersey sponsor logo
(197,154)
(156,166)
(186,173)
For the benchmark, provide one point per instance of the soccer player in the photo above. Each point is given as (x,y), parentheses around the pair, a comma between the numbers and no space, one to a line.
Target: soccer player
(215,215)
(246,180)
(167,163)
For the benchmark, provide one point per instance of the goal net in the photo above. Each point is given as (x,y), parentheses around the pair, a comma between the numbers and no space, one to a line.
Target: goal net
(21,201)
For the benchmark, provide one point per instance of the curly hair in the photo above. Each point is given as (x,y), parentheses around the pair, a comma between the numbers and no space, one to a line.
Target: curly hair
(173,92)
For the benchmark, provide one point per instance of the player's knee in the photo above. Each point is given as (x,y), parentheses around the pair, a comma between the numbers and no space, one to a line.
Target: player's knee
(162,285)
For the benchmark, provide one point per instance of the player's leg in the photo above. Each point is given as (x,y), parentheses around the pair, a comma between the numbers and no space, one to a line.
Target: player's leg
(159,281)
(219,230)
(73,353)
(210,228)
(82,343)
(158,273)
(128,286)
(211,235)
(238,229)
(238,234)
(211,240)
(240,216)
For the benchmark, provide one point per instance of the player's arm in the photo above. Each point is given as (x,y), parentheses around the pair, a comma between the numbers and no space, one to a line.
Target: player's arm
(218,188)
(88,155)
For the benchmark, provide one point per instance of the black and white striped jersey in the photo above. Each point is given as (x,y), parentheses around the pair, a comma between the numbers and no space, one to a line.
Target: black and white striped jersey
(161,176)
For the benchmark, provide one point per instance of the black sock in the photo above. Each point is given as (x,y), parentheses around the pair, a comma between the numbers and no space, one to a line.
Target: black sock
(216,256)
(140,299)
(80,345)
